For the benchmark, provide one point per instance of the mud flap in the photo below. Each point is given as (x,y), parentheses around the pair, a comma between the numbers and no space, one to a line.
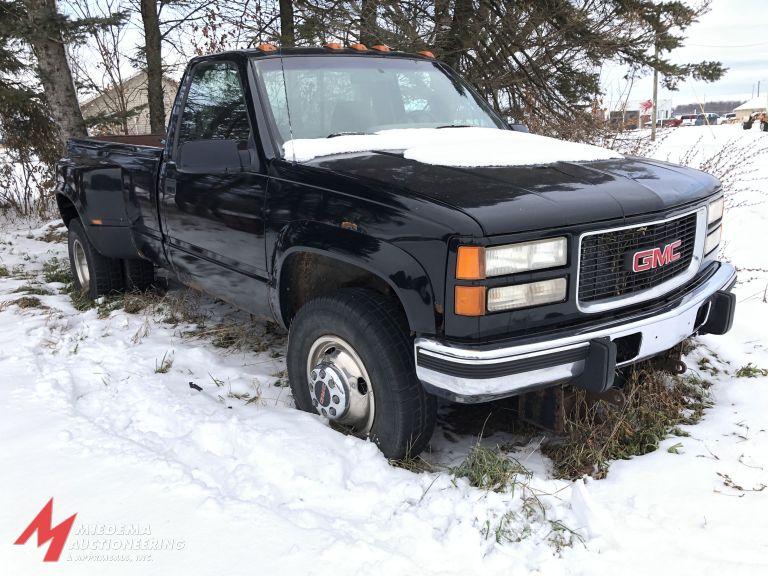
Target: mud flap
(599,367)
(721,312)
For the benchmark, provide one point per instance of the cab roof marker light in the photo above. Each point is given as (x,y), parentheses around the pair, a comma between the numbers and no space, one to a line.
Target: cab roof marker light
(381,48)
(333,46)
(359,47)
(267,47)
(426,54)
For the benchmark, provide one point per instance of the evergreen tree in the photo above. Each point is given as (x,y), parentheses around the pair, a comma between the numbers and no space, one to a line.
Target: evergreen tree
(35,77)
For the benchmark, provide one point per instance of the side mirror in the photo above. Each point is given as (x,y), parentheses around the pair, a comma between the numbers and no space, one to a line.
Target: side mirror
(210,156)
(517,127)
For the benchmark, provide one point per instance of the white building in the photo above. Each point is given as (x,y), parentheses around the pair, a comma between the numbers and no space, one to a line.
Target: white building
(757,104)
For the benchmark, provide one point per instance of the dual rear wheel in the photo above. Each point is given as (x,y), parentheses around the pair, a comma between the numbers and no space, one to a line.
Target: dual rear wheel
(95,275)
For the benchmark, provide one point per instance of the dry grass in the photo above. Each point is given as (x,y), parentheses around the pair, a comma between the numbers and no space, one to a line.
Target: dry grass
(165,364)
(751,371)
(494,469)
(56,270)
(33,290)
(54,234)
(491,469)
(654,404)
(26,302)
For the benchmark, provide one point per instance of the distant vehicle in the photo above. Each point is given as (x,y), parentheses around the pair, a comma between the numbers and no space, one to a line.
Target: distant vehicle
(665,123)
(707,119)
(688,120)
(729,118)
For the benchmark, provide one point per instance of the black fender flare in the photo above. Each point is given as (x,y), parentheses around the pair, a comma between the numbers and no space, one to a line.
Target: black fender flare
(401,271)
(109,241)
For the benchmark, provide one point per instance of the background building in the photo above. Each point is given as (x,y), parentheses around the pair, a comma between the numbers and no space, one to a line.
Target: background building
(757,104)
(124,109)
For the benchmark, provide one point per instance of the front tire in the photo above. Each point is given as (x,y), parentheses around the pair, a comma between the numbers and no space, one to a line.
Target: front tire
(350,358)
(93,275)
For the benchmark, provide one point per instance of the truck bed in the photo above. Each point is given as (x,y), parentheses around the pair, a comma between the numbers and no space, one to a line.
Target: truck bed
(112,180)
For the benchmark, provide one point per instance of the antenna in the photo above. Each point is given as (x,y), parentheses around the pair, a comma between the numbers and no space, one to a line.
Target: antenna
(288,108)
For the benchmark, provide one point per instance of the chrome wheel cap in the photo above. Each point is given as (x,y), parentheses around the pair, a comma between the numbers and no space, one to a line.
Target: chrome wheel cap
(339,384)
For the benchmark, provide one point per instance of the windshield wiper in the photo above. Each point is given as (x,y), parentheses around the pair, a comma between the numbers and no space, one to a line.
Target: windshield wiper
(335,134)
(454,126)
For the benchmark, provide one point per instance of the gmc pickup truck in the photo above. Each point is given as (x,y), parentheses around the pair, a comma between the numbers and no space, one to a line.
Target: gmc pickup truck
(412,243)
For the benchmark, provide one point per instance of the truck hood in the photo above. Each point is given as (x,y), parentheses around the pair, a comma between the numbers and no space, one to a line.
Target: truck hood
(520,198)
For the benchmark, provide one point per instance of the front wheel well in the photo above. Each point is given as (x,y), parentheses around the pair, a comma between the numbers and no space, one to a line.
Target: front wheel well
(305,276)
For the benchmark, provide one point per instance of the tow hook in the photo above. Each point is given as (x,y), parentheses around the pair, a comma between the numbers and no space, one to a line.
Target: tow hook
(671,362)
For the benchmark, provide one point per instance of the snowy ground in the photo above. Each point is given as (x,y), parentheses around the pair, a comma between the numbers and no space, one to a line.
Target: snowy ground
(233,480)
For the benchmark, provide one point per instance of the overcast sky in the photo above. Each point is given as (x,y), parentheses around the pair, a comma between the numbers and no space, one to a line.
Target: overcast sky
(735,32)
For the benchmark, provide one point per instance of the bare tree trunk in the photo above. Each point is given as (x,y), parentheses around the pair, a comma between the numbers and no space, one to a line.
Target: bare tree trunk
(287,34)
(459,34)
(152,39)
(368,34)
(53,68)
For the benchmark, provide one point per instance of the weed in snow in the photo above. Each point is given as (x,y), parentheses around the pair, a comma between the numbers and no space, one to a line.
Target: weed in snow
(653,405)
(57,270)
(165,365)
(751,371)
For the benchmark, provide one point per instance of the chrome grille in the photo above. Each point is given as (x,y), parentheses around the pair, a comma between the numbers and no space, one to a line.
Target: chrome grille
(605,261)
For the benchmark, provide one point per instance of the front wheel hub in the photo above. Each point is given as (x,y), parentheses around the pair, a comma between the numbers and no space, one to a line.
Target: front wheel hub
(339,386)
(329,391)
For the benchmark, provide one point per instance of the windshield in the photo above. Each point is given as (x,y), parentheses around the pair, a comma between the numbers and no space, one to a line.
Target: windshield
(328,96)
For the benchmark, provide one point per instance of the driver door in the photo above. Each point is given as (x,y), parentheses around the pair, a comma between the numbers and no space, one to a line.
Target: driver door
(215,188)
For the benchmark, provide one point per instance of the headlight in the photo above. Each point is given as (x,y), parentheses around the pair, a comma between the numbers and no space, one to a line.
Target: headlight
(525,295)
(715,211)
(475,262)
(713,240)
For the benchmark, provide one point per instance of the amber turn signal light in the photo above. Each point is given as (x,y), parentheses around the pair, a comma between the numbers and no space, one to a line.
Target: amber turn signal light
(470,263)
(469,300)
(266,47)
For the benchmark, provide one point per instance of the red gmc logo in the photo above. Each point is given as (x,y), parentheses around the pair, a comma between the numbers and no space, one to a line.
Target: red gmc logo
(656,257)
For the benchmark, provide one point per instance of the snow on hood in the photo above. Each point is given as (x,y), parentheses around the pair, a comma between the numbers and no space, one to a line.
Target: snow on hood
(467,147)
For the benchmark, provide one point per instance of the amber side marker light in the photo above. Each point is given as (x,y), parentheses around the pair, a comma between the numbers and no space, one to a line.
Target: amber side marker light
(381,48)
(470,263)
(359,47)
(265,47)
(469,300)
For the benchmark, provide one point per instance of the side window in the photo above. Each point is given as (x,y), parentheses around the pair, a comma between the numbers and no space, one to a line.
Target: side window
(214,132)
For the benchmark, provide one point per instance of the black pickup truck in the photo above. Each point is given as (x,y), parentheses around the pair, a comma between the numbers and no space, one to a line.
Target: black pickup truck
(412,243)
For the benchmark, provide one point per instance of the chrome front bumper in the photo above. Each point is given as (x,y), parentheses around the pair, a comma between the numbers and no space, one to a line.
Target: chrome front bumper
(467,374)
